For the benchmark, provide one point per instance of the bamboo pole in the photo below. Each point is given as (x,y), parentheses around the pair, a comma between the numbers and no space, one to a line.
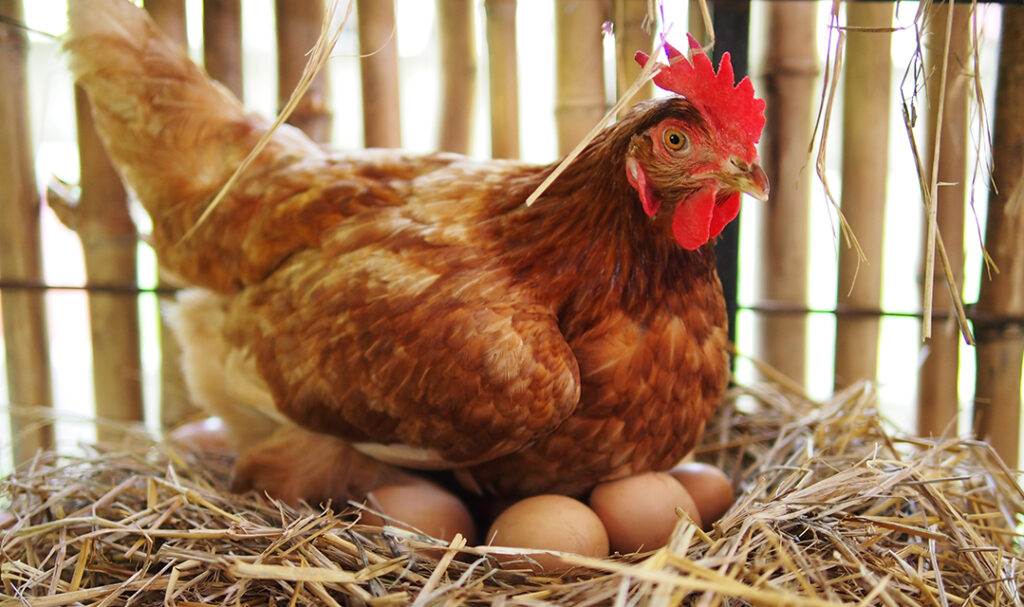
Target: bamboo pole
(731,23)
(457,36)
(1000,344)
(579,74)
(937,398)
(792,94)
(222,42)
(170,16)
(695,21)
(634,31)
(101,220)
(866,105)
(175,404)
(378,46)
(504,79)
(24,317)
(298,28)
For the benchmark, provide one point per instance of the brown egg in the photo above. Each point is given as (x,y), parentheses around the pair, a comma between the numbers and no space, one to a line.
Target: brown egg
(709,487)
(639,511)
(548,522)
(422,506)
(206,435)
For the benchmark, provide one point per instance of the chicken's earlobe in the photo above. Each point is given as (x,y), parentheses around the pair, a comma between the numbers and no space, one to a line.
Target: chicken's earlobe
(638,179)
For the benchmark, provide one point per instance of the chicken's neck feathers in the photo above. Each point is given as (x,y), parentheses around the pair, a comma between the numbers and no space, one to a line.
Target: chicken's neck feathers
(586,244)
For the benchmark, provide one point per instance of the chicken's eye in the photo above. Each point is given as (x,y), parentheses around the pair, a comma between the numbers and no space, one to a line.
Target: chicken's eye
(675,139)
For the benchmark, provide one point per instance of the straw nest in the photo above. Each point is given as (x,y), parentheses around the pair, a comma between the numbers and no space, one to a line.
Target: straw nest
(834,507)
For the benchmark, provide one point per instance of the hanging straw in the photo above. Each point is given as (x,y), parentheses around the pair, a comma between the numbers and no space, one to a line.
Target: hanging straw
(938,402)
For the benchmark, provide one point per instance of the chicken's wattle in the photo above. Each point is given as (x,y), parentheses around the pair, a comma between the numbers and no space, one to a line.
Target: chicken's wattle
(701,217)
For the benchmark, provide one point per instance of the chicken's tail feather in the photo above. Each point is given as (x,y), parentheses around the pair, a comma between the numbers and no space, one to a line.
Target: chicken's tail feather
(174,135)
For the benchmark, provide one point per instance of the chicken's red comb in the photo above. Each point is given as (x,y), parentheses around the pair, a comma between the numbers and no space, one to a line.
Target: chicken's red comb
(732,110)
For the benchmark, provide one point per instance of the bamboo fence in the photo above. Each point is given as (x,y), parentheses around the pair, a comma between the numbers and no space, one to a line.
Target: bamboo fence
(503,77)
(175,404)
(109,242)
(866,102)
(457,34)
(833,506)
(937,403)
(791,76)
(378,49)
(579,78)
(1000,308)
(298,27)
(25,333)
(633,30)
(789,80)
(222,43)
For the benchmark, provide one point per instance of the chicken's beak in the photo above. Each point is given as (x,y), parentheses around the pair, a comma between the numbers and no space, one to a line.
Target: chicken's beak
(755,183)
(749,179)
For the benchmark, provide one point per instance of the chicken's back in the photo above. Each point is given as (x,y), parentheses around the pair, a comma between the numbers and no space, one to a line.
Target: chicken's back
(176,137)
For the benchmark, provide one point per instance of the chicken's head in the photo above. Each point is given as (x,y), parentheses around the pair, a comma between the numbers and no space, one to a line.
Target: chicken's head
(701,152)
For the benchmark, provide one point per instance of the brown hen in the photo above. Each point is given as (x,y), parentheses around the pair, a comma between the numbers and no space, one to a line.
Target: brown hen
(356,311)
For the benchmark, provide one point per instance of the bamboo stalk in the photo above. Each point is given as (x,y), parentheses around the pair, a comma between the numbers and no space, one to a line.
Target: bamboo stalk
(109,241)
(457,34)
(634,31)
(579,80)
(1001,345)
(866,105)
(792,93)
(937,399)
(175,404)
(170,16)
(298,28)
(222,42)
(378,46)
(730,25)
(695,21)
(24,317)
(504,78)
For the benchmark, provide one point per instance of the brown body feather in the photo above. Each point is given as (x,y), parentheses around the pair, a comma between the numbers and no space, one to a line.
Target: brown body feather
(412,305)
